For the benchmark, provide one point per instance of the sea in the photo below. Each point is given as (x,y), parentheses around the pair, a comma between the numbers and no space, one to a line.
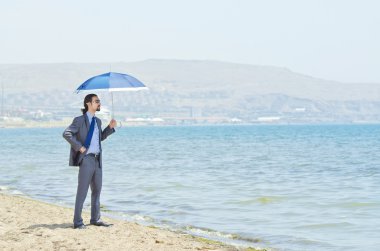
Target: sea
(279,187)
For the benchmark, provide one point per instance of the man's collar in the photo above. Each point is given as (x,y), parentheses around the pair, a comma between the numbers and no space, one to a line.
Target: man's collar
(89,115)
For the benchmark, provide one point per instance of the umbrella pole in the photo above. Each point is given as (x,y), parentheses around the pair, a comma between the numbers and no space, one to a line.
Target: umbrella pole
(112,105)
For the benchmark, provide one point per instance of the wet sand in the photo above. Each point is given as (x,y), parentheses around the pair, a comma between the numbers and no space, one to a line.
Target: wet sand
(27,224)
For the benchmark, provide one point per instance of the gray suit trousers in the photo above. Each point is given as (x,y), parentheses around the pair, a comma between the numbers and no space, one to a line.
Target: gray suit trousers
(90,173)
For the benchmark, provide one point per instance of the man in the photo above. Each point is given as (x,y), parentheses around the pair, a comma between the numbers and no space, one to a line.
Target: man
(85,135)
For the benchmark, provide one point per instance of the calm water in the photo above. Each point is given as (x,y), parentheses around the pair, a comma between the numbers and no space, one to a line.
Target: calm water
(285,187)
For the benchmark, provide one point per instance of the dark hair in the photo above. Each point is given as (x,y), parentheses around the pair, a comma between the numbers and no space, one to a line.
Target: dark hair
(87,99)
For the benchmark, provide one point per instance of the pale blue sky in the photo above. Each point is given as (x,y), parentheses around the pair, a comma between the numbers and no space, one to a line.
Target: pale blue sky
(335,39)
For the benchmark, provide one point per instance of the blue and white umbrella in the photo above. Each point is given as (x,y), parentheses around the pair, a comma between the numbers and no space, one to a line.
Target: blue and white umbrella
(112,82)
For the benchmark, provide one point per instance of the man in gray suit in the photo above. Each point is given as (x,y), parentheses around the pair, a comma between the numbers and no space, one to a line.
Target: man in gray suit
(85,135)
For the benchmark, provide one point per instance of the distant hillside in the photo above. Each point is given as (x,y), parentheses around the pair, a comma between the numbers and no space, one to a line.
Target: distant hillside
(190,77)
(194,89)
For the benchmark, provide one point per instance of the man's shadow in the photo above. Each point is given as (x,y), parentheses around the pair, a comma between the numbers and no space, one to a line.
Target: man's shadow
(51,226)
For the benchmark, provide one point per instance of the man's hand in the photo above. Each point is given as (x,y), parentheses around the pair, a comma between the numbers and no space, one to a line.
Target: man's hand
(112,123)
(82,149)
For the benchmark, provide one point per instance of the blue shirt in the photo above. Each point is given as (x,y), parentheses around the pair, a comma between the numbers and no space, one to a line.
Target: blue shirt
(94,145)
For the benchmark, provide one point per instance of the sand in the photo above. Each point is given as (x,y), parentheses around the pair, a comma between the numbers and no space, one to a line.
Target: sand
(27,224)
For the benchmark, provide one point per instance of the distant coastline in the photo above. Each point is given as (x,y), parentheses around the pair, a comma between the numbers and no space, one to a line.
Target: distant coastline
(179,122)
(189,92)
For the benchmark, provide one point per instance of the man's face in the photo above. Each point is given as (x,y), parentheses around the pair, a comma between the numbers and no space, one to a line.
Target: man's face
(95,104)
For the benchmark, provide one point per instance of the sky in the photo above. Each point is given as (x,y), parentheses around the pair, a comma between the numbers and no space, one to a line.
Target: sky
(330,39)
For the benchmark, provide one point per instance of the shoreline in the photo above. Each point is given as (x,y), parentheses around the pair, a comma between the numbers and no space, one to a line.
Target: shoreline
(44,126)
(26,223)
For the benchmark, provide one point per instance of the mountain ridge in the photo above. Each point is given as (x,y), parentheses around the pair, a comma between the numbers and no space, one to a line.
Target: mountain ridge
(189,75)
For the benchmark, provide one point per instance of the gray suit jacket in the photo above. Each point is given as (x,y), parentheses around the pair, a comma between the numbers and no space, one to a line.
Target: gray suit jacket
(76,135)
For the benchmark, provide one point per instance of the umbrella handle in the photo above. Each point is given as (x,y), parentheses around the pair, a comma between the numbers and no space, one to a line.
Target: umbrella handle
(112,114)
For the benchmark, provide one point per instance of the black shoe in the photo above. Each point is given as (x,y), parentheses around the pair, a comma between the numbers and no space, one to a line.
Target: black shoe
(100,224)
(80,227)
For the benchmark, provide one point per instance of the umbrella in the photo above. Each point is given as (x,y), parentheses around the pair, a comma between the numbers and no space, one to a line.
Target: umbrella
(112,82)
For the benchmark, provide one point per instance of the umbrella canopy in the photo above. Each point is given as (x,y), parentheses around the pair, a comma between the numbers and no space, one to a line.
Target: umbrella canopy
(112,81)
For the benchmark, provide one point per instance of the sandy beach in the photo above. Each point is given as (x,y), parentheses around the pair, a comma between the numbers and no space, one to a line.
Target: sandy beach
(27,224)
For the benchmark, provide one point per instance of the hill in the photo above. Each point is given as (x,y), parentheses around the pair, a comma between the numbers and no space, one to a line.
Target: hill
(191,88)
